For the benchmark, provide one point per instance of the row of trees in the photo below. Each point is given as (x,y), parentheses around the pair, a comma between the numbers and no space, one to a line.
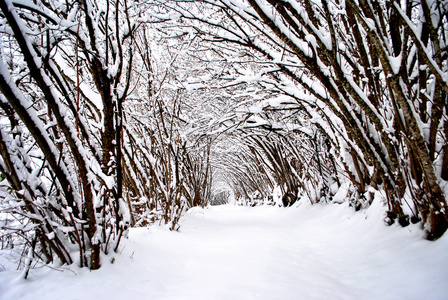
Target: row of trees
(370,76)
(90,141)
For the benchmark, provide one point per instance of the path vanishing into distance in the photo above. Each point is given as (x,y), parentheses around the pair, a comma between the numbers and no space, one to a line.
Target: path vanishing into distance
(232,252)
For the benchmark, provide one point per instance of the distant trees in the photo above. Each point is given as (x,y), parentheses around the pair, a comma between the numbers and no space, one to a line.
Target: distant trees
(370,74)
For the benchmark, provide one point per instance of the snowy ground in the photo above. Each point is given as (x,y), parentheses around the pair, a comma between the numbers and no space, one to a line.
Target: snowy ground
(232,252)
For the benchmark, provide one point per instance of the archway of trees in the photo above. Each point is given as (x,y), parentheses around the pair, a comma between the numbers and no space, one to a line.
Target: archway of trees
(127,113)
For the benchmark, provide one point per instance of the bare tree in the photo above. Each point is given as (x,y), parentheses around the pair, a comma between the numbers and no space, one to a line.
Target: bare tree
(75,65)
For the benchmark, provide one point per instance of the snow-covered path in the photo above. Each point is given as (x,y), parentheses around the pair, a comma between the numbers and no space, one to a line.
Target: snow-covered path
(232,252)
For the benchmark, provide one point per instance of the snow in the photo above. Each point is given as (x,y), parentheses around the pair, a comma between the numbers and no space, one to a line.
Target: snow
(232,252)
(395,63)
